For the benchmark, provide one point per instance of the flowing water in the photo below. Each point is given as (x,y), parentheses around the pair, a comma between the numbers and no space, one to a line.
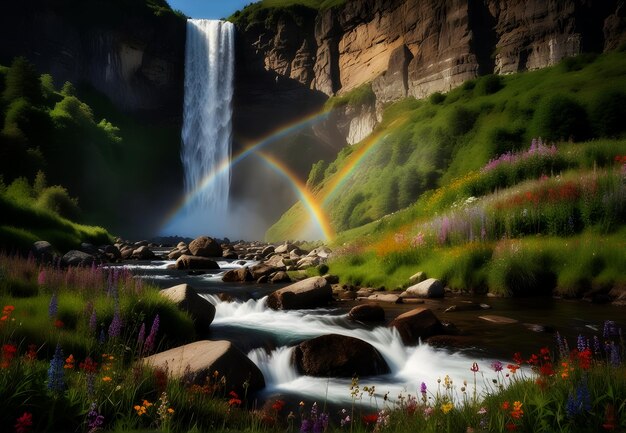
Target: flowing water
(268,336)
(207,123)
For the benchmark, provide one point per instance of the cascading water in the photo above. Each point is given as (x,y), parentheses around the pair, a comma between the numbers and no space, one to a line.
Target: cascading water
(409,365)
(207,122)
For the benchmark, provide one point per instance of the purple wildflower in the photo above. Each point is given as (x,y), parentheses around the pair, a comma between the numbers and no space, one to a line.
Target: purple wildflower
(306,426)
(56,380)
(610,329)
(94,419)
(102,337)
(423,388)
(53,306)
(115,328)
(596,344)
(615,358)
(150,341)
(41,279)
(497,366)
(581,343)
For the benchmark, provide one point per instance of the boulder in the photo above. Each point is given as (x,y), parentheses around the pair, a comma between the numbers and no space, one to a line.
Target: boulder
(338,356)
(187,299)
(194,262)
(112,252)
(385,297)
(143,253)
(280,277)
(174,255)
(201,359)
(205,246)
(264,279)
(285,248)
(309,293)
(77,258)
(322,252)
(332,279)
(364,292)
(181,245)
(419,323)
(230,254)
(237,275)
(430,288)
(267,250)
(308,262)
(276,261)
(367,313)
(43,250)
(417,277)
(88,248)
(126,253)
(262,269)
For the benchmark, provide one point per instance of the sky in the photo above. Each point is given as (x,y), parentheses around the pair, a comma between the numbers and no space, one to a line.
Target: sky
(212,9)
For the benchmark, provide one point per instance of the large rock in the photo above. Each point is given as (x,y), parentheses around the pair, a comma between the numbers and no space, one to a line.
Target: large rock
(285,248)
(194,262)
(201,359)
(187,299)
(385,297)
(310,293)
(430,288)
(237,275)
(263,270)
(43,250)
(338,356)
(205,246)
(143,253)
(78,258)
(419,323)
(280,277)
(367,313)
(276,261)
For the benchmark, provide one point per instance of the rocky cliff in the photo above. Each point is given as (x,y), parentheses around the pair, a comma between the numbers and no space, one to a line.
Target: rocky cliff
(409,48)
(132,51)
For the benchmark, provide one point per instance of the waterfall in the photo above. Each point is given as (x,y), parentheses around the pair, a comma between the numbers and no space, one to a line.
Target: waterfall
(207,120)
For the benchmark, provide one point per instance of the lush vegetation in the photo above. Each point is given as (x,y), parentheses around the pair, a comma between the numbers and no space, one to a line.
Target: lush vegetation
(446,185)
(71,341)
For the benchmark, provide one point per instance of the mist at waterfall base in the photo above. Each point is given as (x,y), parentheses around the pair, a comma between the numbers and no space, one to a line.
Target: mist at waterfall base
(280,331)
(213,204)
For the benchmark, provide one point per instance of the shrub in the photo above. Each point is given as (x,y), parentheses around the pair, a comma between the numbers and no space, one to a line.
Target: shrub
(503,139)
(489,84)
(22,81)
(517,272)
(56,199)
(461,120)
(560,117)
(608,113)
(411,184)
(316,175)
(576,63)
(437,98)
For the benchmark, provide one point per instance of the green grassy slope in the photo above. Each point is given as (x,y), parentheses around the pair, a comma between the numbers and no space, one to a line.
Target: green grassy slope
(422,194)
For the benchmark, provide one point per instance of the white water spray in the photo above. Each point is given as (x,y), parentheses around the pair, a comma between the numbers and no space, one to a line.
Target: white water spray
(409,365)
(207,121)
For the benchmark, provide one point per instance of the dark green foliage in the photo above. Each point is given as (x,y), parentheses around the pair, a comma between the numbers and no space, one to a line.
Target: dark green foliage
(316,176)
(576,63)
(349,214)
(437,98)
(322,269)
(22,81)
(461,120)
(56,199)
(608,113)
(390,196)
(524,275)
(504,139)
(489,84)
(469,85)
(560,117)
(411,185)
(362,95)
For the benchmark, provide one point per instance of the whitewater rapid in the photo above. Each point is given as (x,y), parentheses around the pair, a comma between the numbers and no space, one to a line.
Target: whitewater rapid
(409,365)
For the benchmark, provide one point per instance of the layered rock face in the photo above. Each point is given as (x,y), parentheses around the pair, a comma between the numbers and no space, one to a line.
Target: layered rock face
(408,48)
(128,52)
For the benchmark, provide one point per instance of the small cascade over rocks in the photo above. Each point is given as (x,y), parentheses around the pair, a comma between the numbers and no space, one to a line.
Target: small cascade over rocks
(408,365)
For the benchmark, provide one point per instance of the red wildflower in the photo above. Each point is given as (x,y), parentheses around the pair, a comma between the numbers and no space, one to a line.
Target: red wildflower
(584,359)
(6,313)
(513,367)
(533,360)
(278,405)
(24,423)
(609,418)
(69,362)
(511,427)
(370,419)
(234,401)
(8,353)
(517,357)
(58,324)
(89,366)
(545,353)
(546,369)
(506,405)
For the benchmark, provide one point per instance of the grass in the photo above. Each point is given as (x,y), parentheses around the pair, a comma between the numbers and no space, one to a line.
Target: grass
(445,140)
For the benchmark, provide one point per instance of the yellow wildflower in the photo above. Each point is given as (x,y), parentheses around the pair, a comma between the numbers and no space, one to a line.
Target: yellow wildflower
(107,379)
(447,407)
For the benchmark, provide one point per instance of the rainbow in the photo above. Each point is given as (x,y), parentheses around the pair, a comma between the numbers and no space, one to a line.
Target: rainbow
(278,134)
(306,197)
(329,190)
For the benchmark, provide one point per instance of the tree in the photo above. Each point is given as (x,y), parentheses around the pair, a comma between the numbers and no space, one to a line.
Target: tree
(22,81)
